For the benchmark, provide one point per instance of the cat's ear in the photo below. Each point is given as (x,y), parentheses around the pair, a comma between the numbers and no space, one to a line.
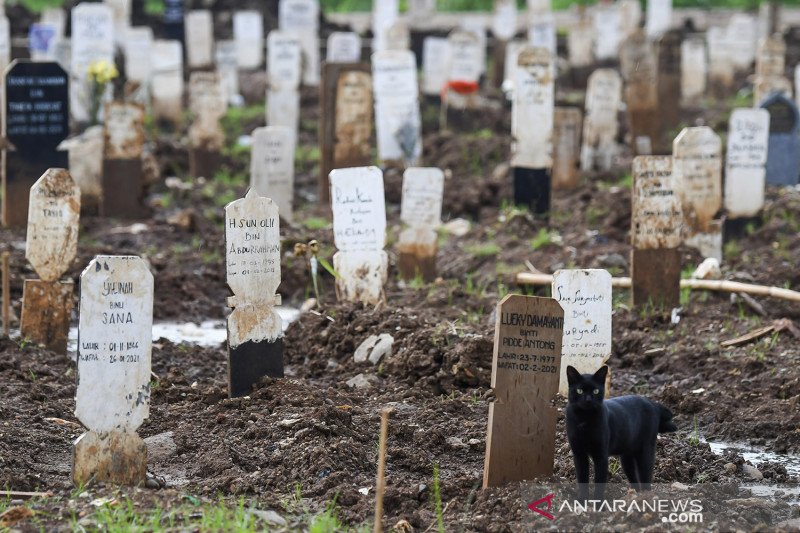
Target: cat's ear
(573,376)
(600,375)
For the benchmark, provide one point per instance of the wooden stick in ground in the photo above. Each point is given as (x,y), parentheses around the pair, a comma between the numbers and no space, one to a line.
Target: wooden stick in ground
(531,278)
(6,294)
(380,483)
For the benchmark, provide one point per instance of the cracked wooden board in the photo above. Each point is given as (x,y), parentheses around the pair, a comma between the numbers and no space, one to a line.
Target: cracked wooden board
(118,457)
(46,311)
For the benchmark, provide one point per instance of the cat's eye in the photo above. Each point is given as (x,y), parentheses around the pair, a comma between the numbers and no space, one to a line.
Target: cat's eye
(596,391)
(579,391)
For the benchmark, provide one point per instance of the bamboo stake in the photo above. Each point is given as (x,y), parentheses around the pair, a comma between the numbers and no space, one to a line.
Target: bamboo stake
(6,294)
(380,483)
(532,278)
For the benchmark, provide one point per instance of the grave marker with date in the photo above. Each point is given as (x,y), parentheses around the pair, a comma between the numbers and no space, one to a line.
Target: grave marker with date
(421,212)
(397,116)
(746,157)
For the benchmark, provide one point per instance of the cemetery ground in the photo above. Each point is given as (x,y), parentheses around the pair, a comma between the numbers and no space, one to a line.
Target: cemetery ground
(305,447)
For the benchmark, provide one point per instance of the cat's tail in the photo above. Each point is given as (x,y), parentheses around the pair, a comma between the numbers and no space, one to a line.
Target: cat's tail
(665,423)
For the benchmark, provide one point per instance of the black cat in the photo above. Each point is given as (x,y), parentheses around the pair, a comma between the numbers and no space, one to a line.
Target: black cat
(626,427)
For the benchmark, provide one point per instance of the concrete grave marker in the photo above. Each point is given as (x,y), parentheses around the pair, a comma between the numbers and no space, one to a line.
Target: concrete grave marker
(542,33)
(771,56)
(346,120)
(600,128)
(580,42)
(585,296)
(746,157)
(638,62)
(121,10)
(720,61)
(384,14)
(253,266)
(398,36)
(608,36)
(114,349)
(693,69)
(248,33)
(359,232)
(199,29)
(207,102)
(630,16)
(51,246)
(435,57)
(656,226)
(520,442)
(284,71)
(300,18)
(659,17)
(167,82)
(532,149)
(743,39)
(123,174)
(36,121)
(476,24)
(225,58)
(86,166)
(513,48)
(421,212)
(463,70)
(272,167)
(566,147)
(92,40)
(504,20)
(697,171)
(343,47)
(397,116)
(783,159)
(138,55)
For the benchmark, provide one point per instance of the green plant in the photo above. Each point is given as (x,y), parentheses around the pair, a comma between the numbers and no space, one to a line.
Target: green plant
(154,7)
(327,521)
(436,495)
(694,436)
(488,249)
(315,223)
(543,238)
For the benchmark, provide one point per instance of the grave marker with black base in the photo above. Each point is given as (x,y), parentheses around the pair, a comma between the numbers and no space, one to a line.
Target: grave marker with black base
(208,104)
(253,267)
(123,173)
(51,246)
(36,121)
(421,212)
(601,125)
(284,72)
(114,350)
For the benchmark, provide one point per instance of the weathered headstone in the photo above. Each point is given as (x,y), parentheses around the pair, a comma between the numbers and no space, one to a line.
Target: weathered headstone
(199,39)
(630,16)
(272,167)
(746,157)
(300,19)
(92,40)
(253,263)
(36,121)
(770,65)
(123,173)
(669,87)
(783,154)
(693,69)
(601,125)
(343,47)
(566,147)
(532,150)
(138,55)
(542,33)
(659,17)
(248,33)
(398,36)
(697,172)
(638,62)
(359,232)
(585,296)
(608,36)
(284,71)
(114,350)
(421,212)
(580,41)
(207,103)
(167,82)
(51,246)
(520,443)
(346,120)
(225,58)
(86,166)
(397,116)
(742,39)
(720,61)
(435,57)
(656,225)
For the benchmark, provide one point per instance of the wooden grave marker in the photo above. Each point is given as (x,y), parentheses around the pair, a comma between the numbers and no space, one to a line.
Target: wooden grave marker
(783,151)
(669,86)
(658,17)
(435,52)
(139,55)
(208,104)
(398,125)
(601,125)
(300,18)
(92,40)
(693,70)
(272,167)
(359,232)
(199,39)
(743,41)
(346,107)
(384,14)
(167,82)
(253,267)
(112,399)
(656,225)
(720,61)
(343,47)
(532,149)
(585,296)
(745,160)
(566,147)
(248,34)
(225,59)
(520,442)
(51,246)
(36,121)
(421,212)
(284,72)
(638,62)
(123,173)
(607,22)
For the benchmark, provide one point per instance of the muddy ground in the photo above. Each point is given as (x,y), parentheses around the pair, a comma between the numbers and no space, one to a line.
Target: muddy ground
(312,433)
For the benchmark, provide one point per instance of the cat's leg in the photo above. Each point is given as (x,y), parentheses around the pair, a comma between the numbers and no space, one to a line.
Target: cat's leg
(629,467)
(582,473)
(600,461)
(646,462)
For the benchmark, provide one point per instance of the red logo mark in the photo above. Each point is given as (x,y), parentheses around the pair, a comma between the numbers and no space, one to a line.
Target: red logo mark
(535,506)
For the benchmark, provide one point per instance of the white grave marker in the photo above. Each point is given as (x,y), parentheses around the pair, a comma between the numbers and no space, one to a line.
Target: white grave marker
(435,58)
(139,54)
(199,35)
(504,21)
(659,17)
(745,175)
(343,47)
(225,57)
(384,15)
(608,35)
(283,77)
(300,18)
(464,59)
(397,116)
(693,69)
(534,100)
(248,33)
(272,166)
(167,83)
(92,40)
(421,212)
(600,127)
(542,33)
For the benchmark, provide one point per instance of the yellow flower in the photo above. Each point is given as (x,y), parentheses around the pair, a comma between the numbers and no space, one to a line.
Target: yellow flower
(102,71)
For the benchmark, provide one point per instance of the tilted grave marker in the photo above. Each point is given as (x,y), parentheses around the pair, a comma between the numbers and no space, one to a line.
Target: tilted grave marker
(421,212)
(520,442)
(532,151)
(284,71)
(746,157)
(248,33)
(300,19)
(783,154)
(207,103)
(114,350)
(566,147)
(343,47)
(359,232)
(36,122)
(253,266)
(272,167)
(638,62)
(397,117)
(585,296)
(92,40)
(199,39)
(346,107)
(656,225)
(123,172)
(601,125)
(167,82)
(51,246)
(693,69)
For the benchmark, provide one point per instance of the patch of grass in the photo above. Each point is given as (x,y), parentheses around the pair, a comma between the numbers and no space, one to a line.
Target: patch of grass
(315,223)
(694,436)
(436,496)
(488,249)
(731,249)
(543,238)
(596,214)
